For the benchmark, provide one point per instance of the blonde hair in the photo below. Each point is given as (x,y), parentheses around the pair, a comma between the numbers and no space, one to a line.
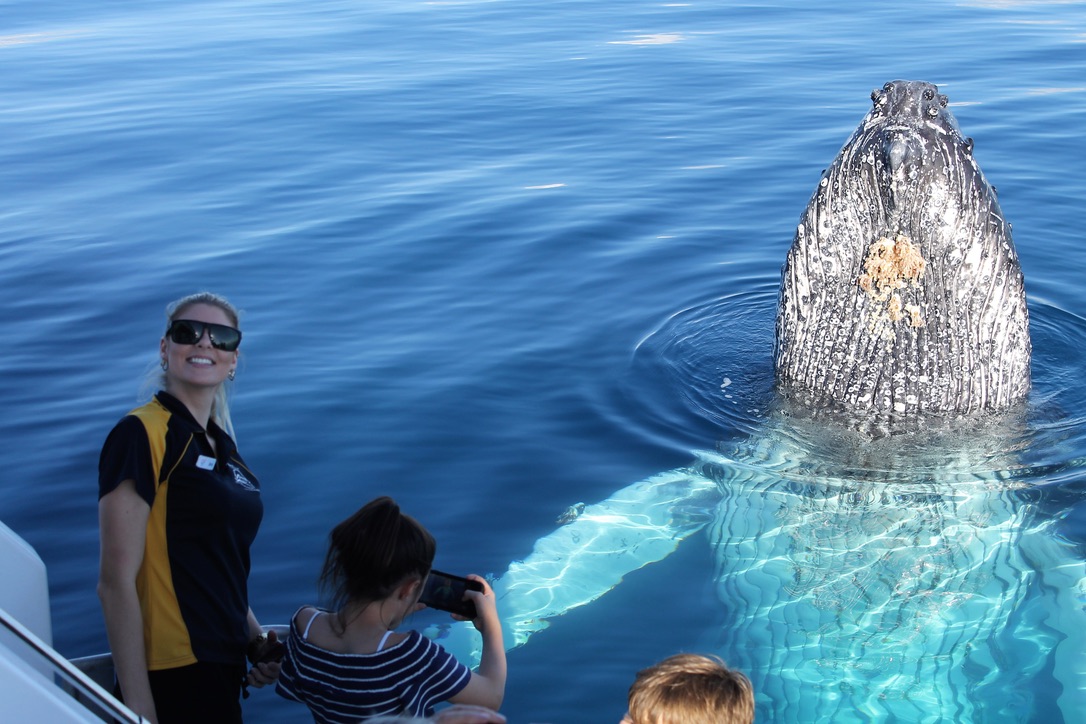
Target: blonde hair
(220,408)
(691,689)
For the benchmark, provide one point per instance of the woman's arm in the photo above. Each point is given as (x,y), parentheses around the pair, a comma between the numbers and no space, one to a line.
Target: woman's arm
(254,626)
(122,524)
(487,685)
(263,672)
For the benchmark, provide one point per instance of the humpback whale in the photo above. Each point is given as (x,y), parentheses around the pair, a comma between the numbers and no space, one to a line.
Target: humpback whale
(877,550)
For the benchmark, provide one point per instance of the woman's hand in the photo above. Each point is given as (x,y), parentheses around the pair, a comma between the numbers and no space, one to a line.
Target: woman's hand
(265,653)
(263,674)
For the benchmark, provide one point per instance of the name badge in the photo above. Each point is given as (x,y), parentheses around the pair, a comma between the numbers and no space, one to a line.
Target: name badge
(205,463)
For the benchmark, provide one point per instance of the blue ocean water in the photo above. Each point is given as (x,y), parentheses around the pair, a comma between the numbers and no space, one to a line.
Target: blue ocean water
(489,254)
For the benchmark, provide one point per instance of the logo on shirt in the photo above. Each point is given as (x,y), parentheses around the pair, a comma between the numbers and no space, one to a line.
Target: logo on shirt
(239,477)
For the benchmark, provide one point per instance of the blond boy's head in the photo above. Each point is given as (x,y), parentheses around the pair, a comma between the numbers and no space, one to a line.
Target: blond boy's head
(690,689)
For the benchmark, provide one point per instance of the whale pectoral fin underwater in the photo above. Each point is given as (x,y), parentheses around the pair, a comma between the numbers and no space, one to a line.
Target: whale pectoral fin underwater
(585,558)
(582,560)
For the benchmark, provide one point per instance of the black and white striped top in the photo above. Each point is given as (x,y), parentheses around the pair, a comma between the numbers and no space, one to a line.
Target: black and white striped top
(407,678)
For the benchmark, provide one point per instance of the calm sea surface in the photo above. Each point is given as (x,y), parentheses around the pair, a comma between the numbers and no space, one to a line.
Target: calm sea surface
(482,250)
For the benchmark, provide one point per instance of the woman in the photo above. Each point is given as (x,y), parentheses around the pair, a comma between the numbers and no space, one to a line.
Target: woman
(178,510)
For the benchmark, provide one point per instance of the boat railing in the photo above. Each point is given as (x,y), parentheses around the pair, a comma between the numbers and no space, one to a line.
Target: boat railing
(43,663)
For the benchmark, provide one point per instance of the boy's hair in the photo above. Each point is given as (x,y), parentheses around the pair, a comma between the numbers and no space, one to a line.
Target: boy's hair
(691,689)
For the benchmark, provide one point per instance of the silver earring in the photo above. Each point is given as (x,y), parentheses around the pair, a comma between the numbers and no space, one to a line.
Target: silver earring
(231,375)
(165,364)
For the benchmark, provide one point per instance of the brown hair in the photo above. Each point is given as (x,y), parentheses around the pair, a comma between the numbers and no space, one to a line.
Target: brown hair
(691,689)
(372,552)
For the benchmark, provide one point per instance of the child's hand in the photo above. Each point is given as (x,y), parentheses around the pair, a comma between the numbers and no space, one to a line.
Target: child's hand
(486,608)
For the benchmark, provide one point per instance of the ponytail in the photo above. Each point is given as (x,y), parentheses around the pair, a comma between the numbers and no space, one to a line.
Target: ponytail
(372,552)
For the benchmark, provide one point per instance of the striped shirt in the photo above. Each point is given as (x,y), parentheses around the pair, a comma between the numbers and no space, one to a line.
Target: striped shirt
(407,678)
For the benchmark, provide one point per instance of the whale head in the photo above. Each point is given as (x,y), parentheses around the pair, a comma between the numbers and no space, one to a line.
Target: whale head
(902,293)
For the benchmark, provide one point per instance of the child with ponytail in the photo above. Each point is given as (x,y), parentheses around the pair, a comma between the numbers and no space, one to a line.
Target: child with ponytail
(348,663)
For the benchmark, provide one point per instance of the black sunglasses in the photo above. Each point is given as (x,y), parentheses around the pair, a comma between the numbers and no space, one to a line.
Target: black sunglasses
(189,331)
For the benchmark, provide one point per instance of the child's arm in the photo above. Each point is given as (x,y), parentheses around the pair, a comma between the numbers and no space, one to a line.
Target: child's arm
(487,685)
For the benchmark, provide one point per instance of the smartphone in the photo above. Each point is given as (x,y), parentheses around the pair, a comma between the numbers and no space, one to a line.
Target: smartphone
(446,592)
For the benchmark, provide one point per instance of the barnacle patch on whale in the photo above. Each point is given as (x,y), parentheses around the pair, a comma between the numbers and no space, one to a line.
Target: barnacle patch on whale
(890,265)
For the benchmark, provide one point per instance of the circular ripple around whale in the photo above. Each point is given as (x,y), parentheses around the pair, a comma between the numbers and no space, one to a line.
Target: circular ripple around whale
(1056,447)
(713,362)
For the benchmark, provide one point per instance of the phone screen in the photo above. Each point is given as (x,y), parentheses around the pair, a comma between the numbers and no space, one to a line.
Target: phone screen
(446,592)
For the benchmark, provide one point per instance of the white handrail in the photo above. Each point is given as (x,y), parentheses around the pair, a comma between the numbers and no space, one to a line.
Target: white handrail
(79,681)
